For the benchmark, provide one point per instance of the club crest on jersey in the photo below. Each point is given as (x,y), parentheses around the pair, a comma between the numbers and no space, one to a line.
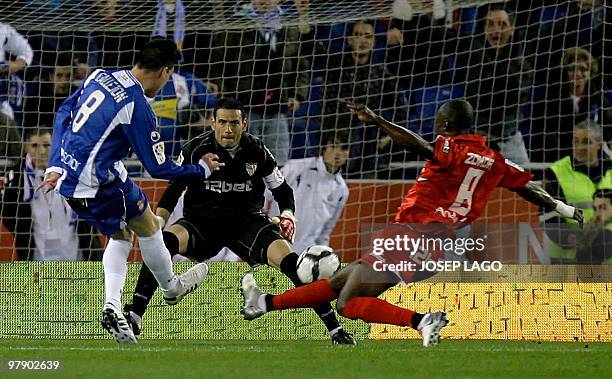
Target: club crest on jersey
(446,147)
(251,168)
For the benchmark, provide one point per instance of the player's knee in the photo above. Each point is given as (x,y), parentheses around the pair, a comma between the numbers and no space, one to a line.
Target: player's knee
(343,300)
(340,307)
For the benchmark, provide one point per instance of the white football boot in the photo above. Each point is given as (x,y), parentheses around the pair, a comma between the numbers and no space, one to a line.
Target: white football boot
(187,282)
(430,326)
(115,323)
(251,295)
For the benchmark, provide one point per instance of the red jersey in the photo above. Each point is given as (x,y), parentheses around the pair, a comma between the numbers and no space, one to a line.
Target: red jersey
(455,185)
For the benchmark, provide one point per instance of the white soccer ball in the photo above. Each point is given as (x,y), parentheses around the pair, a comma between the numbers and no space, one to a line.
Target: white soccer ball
(317,262)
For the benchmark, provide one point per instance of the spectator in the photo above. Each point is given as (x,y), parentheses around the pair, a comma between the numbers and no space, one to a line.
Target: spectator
(10,143)
(185,90)
(194,121)
(259,66)
(597,233)
(41,106)
(574,179)
(13,43)
(319,189)
(356,76)
(576,97)
(43,225)
(495,84)
(170,9)
(419,52)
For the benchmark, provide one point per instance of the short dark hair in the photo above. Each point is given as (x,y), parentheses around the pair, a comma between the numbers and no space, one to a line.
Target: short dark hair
(500,7)
(366,21)
(31,132)
(459,113)
(229,103)
(158,53)
(64,59)
(335,137)
(605,193)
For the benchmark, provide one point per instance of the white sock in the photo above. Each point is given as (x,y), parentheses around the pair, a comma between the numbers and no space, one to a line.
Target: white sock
(115,270)
(261,302)
(157,258)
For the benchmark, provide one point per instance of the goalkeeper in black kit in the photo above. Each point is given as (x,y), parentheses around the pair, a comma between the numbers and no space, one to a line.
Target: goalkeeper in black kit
(224,210)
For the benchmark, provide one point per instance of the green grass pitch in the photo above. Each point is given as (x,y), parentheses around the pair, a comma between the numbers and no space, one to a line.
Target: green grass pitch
(311,359)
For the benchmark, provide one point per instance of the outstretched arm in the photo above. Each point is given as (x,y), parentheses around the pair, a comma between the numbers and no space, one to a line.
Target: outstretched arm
(400,135)
(537,195)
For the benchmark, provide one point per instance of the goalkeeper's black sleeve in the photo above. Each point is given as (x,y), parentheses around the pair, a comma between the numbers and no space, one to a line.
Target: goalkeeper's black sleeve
(283,195)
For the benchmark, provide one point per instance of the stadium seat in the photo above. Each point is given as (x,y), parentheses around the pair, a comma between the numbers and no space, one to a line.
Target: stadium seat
(424,103)
(469,20)
(304,125)
(549,15)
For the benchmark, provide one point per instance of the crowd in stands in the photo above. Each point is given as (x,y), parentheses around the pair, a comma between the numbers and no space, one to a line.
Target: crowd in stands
(532,73)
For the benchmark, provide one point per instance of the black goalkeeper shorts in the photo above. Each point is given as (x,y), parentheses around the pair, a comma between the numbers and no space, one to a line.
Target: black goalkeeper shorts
(248,238)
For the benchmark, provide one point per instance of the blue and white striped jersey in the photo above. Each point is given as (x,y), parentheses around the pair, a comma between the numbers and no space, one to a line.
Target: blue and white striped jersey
(94,130)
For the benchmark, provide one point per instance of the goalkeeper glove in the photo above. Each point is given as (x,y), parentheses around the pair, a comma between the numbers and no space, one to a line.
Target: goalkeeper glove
(286,222)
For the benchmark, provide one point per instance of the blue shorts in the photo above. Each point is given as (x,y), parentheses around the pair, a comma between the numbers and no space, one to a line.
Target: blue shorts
(113,206)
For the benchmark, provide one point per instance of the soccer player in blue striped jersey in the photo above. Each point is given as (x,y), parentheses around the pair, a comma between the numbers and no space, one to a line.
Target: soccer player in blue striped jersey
(94,130)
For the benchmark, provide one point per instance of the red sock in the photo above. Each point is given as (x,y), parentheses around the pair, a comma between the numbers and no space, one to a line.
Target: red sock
(373,309)
(307,296)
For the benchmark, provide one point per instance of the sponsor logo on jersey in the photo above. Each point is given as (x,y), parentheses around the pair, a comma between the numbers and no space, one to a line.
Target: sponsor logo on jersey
(69,160)
(155,136)
(251,168)
(159,152)
(220,186)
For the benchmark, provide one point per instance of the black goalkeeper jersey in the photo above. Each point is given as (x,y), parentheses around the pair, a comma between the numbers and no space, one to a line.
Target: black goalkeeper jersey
(235,190)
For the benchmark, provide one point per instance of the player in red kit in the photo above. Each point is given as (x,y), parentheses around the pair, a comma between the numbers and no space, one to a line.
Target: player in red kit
(459,176)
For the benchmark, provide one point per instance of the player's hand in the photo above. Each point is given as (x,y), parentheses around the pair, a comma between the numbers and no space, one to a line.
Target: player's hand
(286,222)
(49,182)
(212,161)
(578,216)
(212,88)
(364,113)
(12,67)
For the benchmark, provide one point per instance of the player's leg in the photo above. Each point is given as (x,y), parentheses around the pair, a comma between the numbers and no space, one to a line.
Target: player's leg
(157,257)
(269,247)
(177,239)
(114,262)
(185,238)
(103,213)
(358,299)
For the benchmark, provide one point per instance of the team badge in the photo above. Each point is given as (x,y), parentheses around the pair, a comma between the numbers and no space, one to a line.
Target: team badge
(251,168)
(158,151)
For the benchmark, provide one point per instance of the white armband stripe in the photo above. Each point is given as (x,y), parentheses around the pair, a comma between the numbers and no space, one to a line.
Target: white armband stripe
(275,179)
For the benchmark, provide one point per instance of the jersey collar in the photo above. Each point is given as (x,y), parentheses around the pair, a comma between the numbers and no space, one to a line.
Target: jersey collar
(477,138)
